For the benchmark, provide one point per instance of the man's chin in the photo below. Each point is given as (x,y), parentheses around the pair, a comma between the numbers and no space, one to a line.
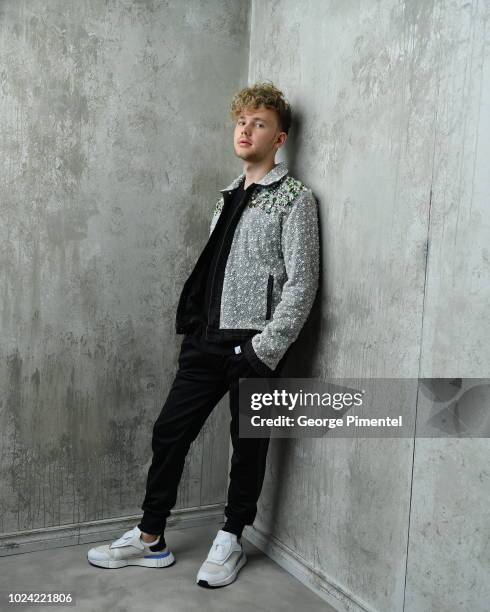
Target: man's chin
(246,155)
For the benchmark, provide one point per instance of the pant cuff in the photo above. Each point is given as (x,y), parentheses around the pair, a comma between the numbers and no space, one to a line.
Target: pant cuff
(152,523)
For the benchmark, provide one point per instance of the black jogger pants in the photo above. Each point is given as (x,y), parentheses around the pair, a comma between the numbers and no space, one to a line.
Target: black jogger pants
(202,379)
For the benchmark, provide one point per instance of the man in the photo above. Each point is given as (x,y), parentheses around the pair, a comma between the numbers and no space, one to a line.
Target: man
(240,310)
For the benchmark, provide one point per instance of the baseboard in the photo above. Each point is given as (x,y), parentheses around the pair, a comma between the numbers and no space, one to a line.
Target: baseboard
(100,531)
(338,598)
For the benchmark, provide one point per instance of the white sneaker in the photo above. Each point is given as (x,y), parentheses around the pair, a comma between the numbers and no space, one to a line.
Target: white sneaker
(225,559)
(130,549)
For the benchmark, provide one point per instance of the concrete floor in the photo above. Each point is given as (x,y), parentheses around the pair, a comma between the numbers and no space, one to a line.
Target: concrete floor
(261,584)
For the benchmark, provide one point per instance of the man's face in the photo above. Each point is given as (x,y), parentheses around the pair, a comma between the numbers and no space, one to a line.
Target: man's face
(257,134)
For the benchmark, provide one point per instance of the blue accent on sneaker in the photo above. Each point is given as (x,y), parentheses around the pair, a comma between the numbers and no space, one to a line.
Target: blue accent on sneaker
(158,556)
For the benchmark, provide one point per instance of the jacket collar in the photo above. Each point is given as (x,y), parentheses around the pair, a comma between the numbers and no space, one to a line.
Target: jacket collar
(272,176)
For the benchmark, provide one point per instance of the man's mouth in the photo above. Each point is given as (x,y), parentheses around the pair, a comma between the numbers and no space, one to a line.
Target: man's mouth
(244,143)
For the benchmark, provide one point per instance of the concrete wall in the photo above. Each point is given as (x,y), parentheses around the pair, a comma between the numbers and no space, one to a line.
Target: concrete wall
(114,144)
(392,103)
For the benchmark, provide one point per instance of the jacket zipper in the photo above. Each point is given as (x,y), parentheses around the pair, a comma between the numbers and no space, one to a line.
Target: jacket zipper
(219,253)
(270,284)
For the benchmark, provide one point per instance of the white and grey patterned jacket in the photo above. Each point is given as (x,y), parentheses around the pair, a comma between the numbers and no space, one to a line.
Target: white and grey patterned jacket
(265,286)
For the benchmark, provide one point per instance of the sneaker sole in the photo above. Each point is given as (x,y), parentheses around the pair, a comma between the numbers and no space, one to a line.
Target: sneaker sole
(157,562)
(231,578)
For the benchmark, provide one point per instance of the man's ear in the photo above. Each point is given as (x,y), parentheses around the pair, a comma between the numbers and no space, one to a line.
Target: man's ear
(281,138)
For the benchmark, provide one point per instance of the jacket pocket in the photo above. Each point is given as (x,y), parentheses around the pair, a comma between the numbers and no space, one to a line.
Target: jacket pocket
(270,285)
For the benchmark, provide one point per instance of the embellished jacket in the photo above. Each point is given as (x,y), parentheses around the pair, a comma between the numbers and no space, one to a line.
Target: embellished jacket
(267,272)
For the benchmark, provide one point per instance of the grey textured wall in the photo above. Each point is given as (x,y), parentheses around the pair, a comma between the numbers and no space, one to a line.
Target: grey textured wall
(114,143)
(392,101)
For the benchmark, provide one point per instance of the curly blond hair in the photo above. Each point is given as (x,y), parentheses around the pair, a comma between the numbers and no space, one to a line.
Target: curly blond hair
(262,94)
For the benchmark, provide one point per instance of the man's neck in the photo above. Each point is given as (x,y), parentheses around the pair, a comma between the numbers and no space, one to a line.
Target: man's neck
(254,172)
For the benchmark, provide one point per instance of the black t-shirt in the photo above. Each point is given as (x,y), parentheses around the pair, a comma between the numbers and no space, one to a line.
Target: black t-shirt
(197,336)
